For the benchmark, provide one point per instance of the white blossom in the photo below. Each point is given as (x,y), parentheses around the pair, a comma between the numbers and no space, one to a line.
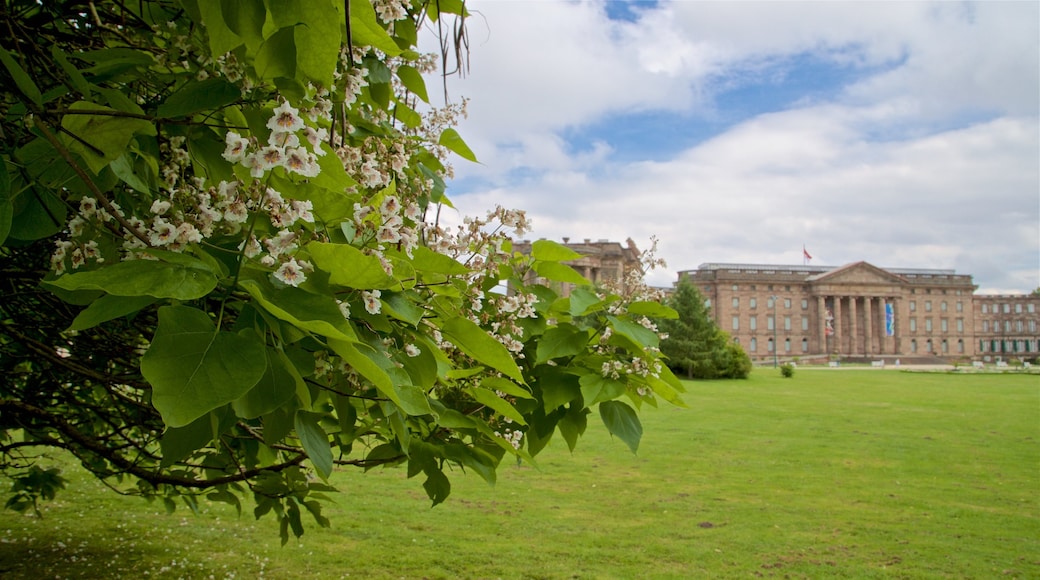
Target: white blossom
(290,273)
(372,303)
(285,119)
(237,147)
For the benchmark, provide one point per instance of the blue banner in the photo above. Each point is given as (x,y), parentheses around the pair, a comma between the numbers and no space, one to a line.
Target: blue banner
(890,320)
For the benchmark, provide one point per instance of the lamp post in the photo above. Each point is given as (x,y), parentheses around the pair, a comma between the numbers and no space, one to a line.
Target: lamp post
(775,323)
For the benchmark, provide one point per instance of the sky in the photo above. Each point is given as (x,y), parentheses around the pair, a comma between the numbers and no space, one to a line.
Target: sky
(903,134)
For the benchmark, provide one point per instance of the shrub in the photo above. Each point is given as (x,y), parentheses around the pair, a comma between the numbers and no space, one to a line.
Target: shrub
(786,370)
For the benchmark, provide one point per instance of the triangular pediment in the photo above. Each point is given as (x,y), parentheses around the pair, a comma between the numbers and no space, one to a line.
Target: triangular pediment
(858,273)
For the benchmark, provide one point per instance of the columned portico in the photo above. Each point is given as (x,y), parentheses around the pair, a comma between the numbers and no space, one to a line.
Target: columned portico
(868,327)
(857,310)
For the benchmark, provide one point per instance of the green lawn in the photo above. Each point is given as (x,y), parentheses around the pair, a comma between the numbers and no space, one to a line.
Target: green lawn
(833,473)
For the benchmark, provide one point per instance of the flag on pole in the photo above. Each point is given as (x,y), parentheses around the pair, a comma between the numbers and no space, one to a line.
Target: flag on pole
(805,253)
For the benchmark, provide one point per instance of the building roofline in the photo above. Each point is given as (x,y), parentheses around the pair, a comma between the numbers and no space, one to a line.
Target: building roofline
(815,269)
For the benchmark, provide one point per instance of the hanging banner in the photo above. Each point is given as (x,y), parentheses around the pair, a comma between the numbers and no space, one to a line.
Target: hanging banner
(890,320)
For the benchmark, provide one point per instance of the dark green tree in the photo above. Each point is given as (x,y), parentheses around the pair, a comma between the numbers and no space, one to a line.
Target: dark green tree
(695,345)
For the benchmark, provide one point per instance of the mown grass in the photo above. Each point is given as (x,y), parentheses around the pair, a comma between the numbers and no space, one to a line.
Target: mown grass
(838,474)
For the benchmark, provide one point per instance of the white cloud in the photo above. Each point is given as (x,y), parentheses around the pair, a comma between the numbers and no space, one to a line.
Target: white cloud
(928,159)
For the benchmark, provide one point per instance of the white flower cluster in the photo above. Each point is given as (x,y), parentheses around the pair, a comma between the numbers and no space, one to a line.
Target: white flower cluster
(283,147)
(513,437)
(391,10)
(615,369)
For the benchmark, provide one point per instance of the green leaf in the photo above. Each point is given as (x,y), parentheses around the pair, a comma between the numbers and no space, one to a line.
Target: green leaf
(583,301)
(559,273)
(107,308)
(558,388)
(178,443)
(451,139)
(6,203)
(563,340)
(99,139)
(572,425)
(318,40)
(144,278)
(221,37)
(315,442)
(277,56)
(643,336)
(407,115)
(665,390)
(37,213)
(427,260)
(275,388)
(413,401)
(124,170)
(75,77)
(349,266)
(478,344)
(596,388)
(246,19)
(437,485)
(413,81)
(365,29)
(498,404)
(333,205)
(506,386)
(622,422)
(194,368)
(312,312)
(398,305)
(197,96)
(550,251)
(365,364)
(652,309)
(21,79)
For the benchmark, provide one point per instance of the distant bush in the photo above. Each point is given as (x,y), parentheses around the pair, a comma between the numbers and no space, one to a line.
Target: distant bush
(787,370)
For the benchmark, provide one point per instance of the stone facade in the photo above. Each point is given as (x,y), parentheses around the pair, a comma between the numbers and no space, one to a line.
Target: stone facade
(861,311)
(602,262)
(1007,325)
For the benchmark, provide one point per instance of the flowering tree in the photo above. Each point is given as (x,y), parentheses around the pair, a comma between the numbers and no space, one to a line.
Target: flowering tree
(224,274)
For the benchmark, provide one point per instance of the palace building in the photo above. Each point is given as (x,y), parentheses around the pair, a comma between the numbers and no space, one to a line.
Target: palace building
(861,311)
(602,262)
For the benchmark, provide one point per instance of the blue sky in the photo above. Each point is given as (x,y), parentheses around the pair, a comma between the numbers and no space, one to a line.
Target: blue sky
(737,132)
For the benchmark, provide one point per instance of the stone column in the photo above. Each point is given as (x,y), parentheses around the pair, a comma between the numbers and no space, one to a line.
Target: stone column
(853,346)
(897,328)
(821,313)
(837,324)
(882,339)
(867,326)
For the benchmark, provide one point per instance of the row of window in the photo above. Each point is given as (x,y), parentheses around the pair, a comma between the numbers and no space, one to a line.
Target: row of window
(943,307)
(787,288)
(753,303)
(1030,308)
(944,324)
(998,346)
(753,345)
(1018,325)
(753,287)
(929,290)
(929,347)
(770,323)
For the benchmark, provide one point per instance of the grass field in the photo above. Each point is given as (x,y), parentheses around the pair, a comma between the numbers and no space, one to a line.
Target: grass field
(836,474)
